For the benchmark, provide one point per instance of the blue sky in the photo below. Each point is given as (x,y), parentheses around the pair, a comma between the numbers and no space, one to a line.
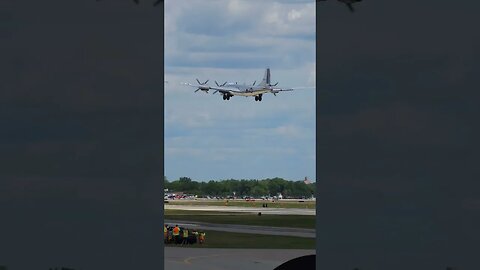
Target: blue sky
(207,138)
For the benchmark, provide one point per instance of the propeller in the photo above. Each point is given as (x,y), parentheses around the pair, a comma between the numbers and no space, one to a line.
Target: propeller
(203,88)
(274,84)
(220,85)
(202,83)
(254,82)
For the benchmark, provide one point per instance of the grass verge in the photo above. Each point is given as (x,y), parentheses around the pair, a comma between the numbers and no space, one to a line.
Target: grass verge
(215,239)
(291,221)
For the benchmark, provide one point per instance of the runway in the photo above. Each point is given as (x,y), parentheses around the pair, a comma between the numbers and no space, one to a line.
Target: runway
(235,209)
(297,232)
(177,258)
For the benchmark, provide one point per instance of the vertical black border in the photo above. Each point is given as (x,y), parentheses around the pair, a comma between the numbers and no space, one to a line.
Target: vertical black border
(18,212)
(317,133)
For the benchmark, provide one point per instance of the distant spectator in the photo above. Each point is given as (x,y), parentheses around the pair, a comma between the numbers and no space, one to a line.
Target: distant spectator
(176,234)
(201,237)
(185,236)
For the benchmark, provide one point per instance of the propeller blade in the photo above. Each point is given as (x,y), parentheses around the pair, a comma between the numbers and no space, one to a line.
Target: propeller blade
(206,82)
(199,82)
(197,90)
(215,92)
(254,82)
(224,83)
(275,84)
(217,83)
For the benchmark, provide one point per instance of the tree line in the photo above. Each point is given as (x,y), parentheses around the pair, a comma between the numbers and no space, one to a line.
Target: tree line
(253,187)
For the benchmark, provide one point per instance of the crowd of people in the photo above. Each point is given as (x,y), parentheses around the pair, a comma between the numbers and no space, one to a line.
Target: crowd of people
(182,236)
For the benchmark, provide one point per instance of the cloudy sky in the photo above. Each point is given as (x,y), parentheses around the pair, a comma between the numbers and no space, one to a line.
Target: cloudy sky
(234,40)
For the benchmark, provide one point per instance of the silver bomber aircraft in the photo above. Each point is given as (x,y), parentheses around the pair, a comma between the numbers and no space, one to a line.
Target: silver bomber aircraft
(229,90)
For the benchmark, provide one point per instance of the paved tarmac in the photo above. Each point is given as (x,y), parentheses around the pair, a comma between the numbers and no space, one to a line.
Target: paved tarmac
(235,209)
(179,258)
(298,232)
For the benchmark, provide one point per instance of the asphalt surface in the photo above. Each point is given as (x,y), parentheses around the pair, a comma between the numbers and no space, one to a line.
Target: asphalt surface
(235,209)
(298,232)
(179,258)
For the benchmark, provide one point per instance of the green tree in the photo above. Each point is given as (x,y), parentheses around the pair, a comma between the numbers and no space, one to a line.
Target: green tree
(243,187)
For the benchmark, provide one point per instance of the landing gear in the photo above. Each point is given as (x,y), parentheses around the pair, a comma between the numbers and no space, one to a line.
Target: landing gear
(226,97)
(258,98)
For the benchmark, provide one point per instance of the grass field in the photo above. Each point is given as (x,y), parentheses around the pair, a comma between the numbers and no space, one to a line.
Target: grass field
(241,203)
(215,239)
(307,222)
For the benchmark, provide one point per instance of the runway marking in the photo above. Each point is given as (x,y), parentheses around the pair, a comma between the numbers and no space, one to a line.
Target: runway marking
(187,260)
(175,261)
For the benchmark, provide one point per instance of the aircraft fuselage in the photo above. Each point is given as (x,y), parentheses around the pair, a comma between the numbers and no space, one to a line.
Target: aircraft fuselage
(249,93)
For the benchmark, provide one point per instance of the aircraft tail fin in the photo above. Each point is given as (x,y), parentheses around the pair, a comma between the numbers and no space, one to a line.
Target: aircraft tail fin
(266,78)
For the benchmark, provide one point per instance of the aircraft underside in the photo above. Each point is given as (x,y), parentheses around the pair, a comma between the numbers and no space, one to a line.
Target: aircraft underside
(227,96)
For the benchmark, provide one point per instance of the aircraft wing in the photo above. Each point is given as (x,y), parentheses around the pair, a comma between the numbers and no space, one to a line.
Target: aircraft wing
(202,87)
(278,90)
(224,90)
(275,91)
(189,84)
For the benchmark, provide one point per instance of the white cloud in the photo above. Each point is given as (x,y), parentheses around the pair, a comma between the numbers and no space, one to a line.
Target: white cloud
(238,7)
(289,131)
(294,15)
